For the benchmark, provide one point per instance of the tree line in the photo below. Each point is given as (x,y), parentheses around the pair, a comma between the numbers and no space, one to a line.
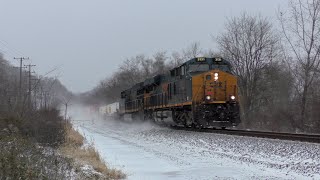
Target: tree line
(32,103)
(36,140)
(35,92)
(31,127)
(277,64)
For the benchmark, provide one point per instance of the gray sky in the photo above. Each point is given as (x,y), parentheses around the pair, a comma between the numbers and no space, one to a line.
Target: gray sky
(88,39)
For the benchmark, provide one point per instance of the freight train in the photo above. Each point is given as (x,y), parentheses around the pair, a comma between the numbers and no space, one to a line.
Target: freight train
(201,92)
(110,110)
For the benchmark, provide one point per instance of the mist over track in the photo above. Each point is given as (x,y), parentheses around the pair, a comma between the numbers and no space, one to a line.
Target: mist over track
(145,151)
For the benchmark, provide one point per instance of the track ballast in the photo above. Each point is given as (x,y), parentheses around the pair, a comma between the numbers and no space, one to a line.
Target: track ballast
(314,138)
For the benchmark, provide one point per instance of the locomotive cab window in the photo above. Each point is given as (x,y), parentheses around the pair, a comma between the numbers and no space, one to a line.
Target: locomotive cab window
(183,70)
(172,72)
(178,71)
(198,68)
(223,67)
(208,77)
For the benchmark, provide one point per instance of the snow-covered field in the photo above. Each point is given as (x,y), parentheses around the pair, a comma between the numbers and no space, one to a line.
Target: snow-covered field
(146,151)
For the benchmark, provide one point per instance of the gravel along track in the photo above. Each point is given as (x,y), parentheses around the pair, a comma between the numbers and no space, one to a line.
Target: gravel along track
(146,151)
(315,138)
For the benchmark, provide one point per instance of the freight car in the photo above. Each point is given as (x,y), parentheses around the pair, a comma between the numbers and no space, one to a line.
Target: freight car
(202,92)
(110,110)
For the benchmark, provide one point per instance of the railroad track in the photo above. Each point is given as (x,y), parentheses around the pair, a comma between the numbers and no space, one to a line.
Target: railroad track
(314,138)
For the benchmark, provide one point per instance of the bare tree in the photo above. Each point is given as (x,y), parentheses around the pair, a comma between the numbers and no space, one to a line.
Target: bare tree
(176,59)
(130,70)
(301,29)
(159,65)
(146,65)
(211,53)
(65,101)
(192,51)
(250,43)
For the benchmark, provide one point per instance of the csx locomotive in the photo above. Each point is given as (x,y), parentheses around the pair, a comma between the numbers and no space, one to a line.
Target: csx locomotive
(201,92)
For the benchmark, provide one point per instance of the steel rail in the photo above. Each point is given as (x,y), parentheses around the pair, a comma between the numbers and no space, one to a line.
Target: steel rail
(314,138)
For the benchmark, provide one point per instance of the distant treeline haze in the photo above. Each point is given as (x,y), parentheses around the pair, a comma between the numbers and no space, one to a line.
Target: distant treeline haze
(15,99)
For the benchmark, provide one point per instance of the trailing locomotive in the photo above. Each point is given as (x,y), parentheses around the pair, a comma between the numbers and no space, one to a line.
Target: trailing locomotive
(202,92)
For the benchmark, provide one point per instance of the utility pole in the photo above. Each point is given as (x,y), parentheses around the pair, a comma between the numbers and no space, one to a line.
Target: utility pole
(35,90)
(66,111)
(46,94)
(29,81)
(20,81)
(16,90)
(66,103)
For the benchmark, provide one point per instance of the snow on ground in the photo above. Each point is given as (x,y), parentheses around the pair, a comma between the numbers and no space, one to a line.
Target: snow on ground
(146,151)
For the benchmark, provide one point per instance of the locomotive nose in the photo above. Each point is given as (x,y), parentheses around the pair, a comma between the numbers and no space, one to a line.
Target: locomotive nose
(210,80)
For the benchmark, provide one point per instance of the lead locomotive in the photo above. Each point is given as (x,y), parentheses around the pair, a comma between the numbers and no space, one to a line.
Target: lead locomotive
(202,92)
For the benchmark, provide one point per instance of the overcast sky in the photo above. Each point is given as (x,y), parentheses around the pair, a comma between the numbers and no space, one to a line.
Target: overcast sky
(88,39)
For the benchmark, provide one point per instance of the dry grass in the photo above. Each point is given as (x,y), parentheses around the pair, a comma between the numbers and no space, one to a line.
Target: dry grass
(73,147)
(73,137)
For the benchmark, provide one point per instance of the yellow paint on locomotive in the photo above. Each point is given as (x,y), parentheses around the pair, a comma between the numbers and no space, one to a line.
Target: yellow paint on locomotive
(217,84)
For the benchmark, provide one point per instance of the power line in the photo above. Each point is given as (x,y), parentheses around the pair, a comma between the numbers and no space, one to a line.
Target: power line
(6,53)
(6,44)
(8,50)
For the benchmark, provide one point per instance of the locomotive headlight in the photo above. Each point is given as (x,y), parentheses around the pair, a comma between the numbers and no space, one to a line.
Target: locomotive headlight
(208,97)
(233,97)
(216,76)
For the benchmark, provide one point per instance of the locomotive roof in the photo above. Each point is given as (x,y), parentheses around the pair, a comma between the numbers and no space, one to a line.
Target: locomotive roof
(155,80)
(213,60)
